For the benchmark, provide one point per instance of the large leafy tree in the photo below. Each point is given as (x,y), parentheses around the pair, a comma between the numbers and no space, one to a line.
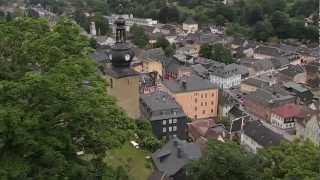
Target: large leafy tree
(139,38)
(227,161)
(53,104)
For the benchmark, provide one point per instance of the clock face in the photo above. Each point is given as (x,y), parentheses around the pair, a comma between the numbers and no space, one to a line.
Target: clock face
(127,57)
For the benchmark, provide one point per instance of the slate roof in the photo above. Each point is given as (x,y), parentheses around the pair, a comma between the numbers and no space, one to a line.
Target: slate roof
(267,50)
(154,54)
(295,86)
(261,134)
(188,84)
(100,56)
(292,70)
(255,82)
(159,101)
(279,62)
(174,155)
(200,70)
(225,71)
(269,96)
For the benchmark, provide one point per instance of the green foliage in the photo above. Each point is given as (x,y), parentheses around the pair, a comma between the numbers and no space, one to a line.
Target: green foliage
(263,30)
(147,139)
(139,38)
(224,161)
(163,43)
(298,160)
(53,103)
(102,25)
(216,52)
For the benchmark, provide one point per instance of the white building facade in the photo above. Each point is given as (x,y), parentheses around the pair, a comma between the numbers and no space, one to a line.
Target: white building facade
(225,82)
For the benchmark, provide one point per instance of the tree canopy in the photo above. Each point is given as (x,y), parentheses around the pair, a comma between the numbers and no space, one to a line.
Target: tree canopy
(298,160)
(216,52)
(53,104)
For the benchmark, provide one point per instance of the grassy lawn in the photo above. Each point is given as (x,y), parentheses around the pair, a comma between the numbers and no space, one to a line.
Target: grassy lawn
(133,160)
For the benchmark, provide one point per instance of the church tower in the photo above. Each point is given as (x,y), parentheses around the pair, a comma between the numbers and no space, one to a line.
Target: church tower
(123,81)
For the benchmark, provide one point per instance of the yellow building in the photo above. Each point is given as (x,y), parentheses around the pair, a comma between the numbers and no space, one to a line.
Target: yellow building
(151,61)
(198,98)
(123,84)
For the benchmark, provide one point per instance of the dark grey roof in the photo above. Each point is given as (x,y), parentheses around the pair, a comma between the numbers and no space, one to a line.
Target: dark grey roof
(262,135)
(154,54)
(256,83)
(269,95)
(298,87)
(200,70)
(174,155)
(279,62)
(267,50)
(188,84)
(225,71)
(172,65)
(236,112)
(257,65)
(292,70)
(121,72)
(159,101)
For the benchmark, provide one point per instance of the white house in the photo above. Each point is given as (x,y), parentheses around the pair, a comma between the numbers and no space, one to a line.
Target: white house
(225,76)
(190,26)
(284,117)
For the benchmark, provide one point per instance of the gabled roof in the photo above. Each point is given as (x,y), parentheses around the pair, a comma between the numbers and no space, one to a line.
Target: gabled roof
(267,50)
(174,155)
(156,54)
(292,70)
(261,134)
(289,110)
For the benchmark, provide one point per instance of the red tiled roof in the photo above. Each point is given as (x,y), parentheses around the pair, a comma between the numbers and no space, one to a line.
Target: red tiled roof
(289,110)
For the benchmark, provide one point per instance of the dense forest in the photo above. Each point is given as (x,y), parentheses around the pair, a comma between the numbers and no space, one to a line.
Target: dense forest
(263,20)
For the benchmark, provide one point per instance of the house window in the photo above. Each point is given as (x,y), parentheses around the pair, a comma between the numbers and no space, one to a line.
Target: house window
(164,122)
(204,111)
(174,128)
(212,94)
(170,121)
(205,103)
(211,110)
(201,103)
(170,129)
(201,95)
(164,130)
(211,102)
(195,108)
(196,100)
(205,95)
(174,120)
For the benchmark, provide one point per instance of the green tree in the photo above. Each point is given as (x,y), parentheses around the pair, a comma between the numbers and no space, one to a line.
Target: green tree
(263,30)
(224,161)
(163,43)
(280,23)
(206,50)
(139,38)
(53,104)
(221,54)
(102,25)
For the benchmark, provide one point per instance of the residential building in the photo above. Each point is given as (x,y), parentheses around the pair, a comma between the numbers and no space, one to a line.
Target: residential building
(203,130)
(266,52)
(165,114)
(257,67)
(174,69)
(148,83)
(302,94)
(285,117)
(256,136)
(225,76)
(130,20)
(190,26)
(197,96)
(313,74)
(171,159)
(261,102)
(309,128)
(295,73)
(252,84)
(151,61)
